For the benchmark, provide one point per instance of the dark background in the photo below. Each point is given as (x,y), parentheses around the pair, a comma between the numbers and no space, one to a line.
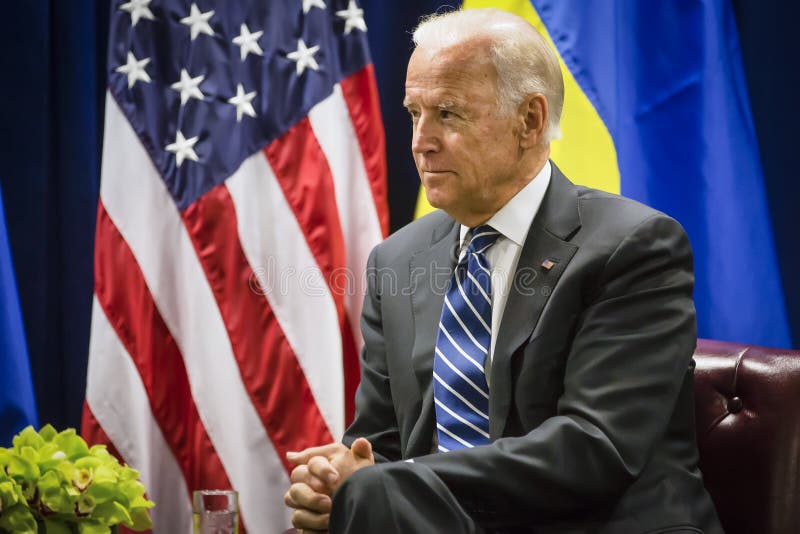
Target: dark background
(52,67)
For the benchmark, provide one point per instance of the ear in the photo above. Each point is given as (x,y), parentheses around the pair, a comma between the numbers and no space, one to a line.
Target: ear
(533,115)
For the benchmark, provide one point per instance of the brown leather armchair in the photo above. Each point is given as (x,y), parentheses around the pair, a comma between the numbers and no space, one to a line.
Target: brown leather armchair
(747,406)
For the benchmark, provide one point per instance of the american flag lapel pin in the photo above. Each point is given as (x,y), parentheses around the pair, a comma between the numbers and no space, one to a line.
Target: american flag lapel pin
(548,264)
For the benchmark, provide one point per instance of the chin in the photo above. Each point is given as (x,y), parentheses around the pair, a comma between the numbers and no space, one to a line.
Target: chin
(436,198)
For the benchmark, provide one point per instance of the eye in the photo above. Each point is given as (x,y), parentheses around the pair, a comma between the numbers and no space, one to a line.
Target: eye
(414,114)
(446,114)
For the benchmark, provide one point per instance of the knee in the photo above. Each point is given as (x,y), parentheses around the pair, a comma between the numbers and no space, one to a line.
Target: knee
(357,502)
(366,482)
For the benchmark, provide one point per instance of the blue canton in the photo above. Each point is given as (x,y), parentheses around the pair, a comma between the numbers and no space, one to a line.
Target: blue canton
(184,74)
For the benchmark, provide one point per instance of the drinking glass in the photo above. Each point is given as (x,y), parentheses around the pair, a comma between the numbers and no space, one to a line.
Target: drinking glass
(215,511)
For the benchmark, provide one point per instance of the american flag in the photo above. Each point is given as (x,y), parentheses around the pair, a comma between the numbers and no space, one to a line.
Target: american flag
(243,186)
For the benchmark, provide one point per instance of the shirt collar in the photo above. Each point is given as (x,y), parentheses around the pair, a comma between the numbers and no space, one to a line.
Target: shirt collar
(515,218)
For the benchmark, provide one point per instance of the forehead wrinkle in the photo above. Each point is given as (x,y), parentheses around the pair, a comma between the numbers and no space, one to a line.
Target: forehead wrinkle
(456,67)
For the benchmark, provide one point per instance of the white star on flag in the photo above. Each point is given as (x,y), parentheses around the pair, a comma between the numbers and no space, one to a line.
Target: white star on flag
(138,9)
(242,102)
(354,18)
(304,57)
(182,148)
(248,42)
(198,22)
(188,87)
(134,69)
(308,4)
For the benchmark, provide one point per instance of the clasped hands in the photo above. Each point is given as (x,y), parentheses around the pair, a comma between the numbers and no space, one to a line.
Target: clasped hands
(319,472)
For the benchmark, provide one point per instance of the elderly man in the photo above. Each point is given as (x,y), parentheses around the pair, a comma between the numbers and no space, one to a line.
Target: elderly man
(554,395)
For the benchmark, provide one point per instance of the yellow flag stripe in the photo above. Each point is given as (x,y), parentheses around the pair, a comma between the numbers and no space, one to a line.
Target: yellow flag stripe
(586,151)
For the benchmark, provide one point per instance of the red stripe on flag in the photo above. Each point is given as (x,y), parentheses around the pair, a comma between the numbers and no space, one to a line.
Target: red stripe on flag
(268,366)
(126,300)
(303,173)
(361,94)
(93,433)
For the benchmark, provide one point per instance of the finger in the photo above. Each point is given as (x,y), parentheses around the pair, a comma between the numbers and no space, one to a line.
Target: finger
(300,474)
(362,448)
(302,496)
(322,469)
(304,456)
(305,520)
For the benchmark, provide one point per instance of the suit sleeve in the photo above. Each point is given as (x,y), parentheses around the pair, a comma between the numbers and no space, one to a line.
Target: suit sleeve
(624,371)
(375,416)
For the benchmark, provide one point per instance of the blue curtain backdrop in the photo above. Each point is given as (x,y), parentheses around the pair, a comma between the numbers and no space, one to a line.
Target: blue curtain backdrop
(52,57)
(17,403)
(52,60)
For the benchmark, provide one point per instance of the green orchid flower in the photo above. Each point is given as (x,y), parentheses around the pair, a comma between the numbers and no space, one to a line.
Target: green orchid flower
(55,480)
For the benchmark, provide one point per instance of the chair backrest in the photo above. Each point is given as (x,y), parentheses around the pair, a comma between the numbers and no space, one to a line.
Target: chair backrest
(747,406)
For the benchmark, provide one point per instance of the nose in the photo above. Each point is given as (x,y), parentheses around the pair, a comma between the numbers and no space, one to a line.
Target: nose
(426,136)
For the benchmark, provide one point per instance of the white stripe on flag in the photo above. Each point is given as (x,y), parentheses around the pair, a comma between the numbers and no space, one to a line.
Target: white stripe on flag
(118,399)
(292,283)
(140,206)
(330,120)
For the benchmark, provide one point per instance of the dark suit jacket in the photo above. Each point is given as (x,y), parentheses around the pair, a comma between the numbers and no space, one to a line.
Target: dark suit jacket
(591,408)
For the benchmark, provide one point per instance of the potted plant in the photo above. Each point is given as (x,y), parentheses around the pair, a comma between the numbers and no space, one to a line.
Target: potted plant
(53,482)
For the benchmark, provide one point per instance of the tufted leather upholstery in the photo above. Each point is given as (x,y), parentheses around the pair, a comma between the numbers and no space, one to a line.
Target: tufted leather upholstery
(747,406)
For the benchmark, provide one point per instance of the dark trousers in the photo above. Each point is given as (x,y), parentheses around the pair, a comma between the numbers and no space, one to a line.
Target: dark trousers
(408,498)
(398,498)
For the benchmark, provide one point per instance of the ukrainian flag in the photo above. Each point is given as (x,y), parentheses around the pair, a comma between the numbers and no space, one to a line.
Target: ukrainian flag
(656,109)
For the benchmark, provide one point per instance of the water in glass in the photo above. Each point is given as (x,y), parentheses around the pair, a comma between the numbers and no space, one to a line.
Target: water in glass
(216,522)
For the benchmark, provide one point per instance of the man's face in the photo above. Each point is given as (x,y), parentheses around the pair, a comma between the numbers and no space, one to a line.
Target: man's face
(467,155)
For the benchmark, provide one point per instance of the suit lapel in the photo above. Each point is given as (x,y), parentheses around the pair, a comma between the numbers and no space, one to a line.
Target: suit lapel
(430,272)
(555,223)
(545,254)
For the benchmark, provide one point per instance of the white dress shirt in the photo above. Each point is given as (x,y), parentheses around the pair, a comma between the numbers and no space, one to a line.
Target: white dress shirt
(513,222)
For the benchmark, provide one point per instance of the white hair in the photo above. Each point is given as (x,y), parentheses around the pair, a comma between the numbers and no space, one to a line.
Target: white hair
(524,62)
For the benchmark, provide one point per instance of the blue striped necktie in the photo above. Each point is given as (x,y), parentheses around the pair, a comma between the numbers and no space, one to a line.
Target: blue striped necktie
(460,390)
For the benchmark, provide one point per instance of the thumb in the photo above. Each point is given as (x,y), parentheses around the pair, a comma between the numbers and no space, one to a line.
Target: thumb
(362,448)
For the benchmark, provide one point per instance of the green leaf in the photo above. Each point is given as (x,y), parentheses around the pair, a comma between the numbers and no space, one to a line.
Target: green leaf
(141,520)
(5,457)
(48,432)
(56,527)
(8,495)
(18,520)
(111,513)
(132,489)
(22,468)
(89,462)
(93,527)
(100,451)
(71,443)
(53,494)
(27,438)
